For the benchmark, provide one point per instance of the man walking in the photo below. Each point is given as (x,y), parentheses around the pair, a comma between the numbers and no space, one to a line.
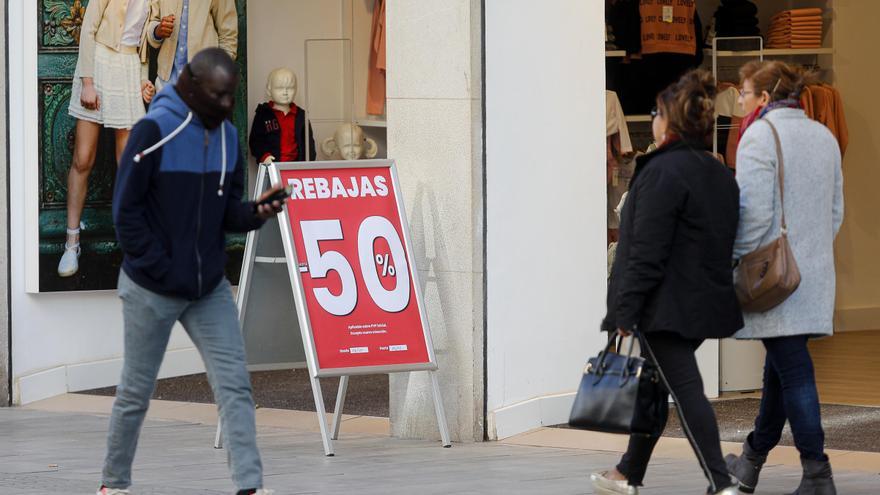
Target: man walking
(182,28)
(178,190)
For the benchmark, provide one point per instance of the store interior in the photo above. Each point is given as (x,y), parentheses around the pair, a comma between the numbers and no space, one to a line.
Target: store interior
(826,37)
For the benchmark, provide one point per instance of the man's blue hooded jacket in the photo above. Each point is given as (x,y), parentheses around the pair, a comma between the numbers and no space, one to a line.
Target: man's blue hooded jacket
(176,195)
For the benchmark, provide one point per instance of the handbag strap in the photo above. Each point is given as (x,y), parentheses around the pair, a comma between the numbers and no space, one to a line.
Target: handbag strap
(780,174)
(617,342)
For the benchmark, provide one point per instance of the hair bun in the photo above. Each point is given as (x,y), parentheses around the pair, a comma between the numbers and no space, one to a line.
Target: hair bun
(689,104)
(708,104)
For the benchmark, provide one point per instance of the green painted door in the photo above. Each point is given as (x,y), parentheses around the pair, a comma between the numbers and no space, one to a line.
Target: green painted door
(60,23)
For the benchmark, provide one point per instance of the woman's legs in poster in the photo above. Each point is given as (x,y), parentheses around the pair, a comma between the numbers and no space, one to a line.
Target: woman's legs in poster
(84,152)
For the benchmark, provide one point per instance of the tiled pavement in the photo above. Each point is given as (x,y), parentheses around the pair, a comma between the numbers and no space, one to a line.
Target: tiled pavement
(60,453)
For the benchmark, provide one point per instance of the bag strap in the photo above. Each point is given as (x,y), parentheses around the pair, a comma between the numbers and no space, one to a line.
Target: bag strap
(780,174)
(643,341)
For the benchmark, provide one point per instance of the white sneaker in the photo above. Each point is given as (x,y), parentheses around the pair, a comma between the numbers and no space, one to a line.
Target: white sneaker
(112,491)
(730,490)
(69,264)
(606,486)
(263,491)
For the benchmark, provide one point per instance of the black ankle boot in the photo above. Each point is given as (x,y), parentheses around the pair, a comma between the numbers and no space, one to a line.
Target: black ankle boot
(746,467)
(817,479)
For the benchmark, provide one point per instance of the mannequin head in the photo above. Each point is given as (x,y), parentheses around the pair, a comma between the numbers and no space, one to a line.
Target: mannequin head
(281,87)
(349,143)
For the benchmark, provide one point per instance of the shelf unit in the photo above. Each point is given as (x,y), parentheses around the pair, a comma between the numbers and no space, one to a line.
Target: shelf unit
(771,52)
(368,122)
(638,118)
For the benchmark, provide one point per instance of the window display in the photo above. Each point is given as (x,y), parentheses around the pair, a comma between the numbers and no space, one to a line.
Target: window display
(349,143)
(278,131)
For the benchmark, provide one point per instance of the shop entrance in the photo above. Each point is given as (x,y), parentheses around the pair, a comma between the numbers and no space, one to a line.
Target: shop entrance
(845,367)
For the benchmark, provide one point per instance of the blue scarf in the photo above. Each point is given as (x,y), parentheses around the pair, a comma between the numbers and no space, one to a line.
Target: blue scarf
(787,103)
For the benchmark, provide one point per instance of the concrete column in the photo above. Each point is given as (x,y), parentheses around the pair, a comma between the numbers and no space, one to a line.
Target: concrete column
(4,225)
(435,134)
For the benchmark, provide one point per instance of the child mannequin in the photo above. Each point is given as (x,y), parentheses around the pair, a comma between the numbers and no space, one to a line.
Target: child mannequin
(278,132)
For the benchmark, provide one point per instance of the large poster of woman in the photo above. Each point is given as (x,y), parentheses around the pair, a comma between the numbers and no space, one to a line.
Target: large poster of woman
(96,74)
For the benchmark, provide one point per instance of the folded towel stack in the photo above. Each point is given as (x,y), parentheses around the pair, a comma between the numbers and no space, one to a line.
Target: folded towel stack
(798,28)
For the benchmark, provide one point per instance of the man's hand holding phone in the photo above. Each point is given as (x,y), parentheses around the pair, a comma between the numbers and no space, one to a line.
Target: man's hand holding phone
(271,202)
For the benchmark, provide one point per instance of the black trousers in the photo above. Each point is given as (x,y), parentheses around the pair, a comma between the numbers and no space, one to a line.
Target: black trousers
(677,359)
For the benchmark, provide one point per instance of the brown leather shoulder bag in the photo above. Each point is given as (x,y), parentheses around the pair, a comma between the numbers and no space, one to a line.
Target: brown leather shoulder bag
(766,277)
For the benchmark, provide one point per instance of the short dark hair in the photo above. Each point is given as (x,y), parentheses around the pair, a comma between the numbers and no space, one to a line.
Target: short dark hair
(210,59)
(689,105)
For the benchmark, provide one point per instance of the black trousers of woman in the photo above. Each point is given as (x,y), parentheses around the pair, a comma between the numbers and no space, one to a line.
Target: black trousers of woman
(677,359)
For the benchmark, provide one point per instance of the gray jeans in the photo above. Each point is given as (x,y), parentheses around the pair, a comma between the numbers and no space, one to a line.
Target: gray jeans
(212,324)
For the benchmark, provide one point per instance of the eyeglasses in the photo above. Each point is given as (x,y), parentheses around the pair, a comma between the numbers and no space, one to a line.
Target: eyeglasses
(743,93)
(654,113)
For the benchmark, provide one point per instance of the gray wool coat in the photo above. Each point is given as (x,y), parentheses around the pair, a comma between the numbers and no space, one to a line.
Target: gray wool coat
(813,212)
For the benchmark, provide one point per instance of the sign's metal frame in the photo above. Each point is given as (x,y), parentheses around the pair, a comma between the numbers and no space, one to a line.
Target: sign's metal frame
(315,371)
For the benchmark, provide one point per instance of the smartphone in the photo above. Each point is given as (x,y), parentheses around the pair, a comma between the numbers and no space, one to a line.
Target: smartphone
(278,196)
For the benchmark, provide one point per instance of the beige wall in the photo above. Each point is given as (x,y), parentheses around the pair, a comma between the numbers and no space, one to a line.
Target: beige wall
(357,25)
(434,133)
(856,73)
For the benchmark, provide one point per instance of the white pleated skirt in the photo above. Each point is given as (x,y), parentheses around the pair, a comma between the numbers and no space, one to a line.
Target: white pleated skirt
(118,84)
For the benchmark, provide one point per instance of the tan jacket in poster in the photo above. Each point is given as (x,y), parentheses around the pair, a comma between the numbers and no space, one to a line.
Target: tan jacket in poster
(103,23)
(668,26)
(212,23)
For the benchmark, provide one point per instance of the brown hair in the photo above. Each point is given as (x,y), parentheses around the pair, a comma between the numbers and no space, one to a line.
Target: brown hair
(780,80)
(689,105)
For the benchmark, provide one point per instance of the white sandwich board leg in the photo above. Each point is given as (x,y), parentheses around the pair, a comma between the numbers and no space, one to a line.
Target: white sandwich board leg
(244,284)
(340,403)
(218,436)
(322,416)
(441,413)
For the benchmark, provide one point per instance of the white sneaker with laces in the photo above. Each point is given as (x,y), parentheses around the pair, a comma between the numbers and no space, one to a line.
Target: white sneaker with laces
(607,486)
(69,264)
(112,491)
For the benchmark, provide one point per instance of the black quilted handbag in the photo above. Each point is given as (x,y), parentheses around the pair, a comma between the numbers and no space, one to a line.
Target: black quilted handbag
(621,393)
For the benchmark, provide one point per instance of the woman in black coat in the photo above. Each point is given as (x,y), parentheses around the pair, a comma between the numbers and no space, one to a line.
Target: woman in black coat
(672,278)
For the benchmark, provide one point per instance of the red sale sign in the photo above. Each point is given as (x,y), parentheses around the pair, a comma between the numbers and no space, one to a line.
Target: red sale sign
(354,276)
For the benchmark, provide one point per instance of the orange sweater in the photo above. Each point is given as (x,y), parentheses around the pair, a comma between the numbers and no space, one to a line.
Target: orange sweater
(668,26)
(823,104)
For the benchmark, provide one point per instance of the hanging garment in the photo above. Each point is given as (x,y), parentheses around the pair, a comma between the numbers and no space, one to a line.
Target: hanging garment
(668,51)
(824,104)
(376,78)
(615,121)
(670,28)
(730,115)
(737,18)
(618,168)
(626,25)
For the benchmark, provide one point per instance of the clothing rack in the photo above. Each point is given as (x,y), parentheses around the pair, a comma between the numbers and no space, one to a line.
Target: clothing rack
(715,55)
(760,53)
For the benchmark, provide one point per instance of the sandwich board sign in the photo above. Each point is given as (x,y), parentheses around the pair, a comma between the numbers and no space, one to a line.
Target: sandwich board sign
(351,287)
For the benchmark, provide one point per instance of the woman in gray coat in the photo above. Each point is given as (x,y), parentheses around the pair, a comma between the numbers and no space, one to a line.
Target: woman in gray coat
(813,213)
